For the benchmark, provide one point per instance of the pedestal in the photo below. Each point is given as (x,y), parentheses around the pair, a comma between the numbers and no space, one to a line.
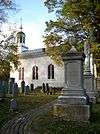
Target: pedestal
(73,102)
(72,112)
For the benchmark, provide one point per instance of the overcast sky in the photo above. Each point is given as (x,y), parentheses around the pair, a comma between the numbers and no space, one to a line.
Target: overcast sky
(34,15)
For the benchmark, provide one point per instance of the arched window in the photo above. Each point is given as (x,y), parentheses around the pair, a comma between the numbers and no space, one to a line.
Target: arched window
(35,72)
(51,71)
(19,73)
(21,39)
(23,73)
(24,40)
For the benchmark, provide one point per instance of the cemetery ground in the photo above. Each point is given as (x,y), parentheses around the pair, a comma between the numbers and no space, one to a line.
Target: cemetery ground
(45,122)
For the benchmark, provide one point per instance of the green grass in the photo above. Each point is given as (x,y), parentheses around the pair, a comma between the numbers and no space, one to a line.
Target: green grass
(24,104)
(47,124)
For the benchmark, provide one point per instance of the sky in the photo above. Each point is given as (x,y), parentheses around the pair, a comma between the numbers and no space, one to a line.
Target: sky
(34,15)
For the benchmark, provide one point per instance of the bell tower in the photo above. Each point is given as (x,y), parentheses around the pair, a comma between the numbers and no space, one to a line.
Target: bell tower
(21,40)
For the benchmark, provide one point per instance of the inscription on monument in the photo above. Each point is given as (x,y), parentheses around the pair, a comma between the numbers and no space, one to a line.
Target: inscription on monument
(73,74)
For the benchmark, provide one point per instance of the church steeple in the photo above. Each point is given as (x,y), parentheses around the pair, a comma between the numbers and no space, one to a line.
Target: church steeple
(21,38)
(21,27)
(21,34)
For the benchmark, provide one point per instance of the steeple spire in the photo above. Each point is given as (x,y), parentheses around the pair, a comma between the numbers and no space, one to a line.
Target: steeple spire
(21,27)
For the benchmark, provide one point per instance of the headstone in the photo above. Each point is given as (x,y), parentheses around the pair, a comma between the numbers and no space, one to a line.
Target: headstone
(47,88)
(98,84)
(11,82)
(1,90)
(23,86)
(32,87)
(26,91)
(89,78)
(13,105)
(43,88)
(72,104)
(15,90)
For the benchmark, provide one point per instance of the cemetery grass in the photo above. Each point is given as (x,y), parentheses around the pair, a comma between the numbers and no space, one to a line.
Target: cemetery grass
(47,124)
(24,104)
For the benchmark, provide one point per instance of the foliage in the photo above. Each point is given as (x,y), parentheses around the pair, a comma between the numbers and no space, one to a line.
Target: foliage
(8,58)
(5,6)
(76,21)
(8,48)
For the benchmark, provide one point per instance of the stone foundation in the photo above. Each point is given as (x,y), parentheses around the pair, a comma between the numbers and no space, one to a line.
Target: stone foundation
(72,112)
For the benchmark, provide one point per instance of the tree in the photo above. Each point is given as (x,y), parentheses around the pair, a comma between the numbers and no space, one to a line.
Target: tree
(8,56)
(77,21)
(8,48)
(5,6)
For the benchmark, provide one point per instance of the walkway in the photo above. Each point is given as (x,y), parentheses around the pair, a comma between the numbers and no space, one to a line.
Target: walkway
(19,125)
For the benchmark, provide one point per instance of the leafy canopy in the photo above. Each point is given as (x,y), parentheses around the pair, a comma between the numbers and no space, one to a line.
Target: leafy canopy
(76,21)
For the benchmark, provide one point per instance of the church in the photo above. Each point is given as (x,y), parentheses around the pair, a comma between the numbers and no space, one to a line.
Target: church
(37,67)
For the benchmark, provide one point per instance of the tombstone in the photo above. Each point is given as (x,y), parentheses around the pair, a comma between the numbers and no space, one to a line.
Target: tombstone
(23,86)
(15,90)
(47,88)
(43,88)
(26,91)
(11,82)
(13,105)
(50,91)
(72,103)
(89,78)
(32,87)
(1,90)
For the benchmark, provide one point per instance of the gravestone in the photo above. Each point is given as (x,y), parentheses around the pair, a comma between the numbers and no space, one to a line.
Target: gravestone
(72,104)
(22,86)
(26,91)
(32,87)
(47,88)
(89,78)
(11,82)
(15,90)
(13,105)
(43,88)
(1,90)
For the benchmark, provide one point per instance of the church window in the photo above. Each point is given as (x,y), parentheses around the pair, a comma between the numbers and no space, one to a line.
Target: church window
(21,39)
(23,73)
(35,72)
(51,71)
(19,73)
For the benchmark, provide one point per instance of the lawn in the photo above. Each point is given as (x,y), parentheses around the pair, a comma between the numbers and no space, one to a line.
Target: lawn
(24,103)
(46,123)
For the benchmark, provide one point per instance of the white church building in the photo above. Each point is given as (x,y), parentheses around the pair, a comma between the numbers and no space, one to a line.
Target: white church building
(36,67)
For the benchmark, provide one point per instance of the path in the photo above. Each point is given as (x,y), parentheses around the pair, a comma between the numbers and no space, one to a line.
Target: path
(19,125)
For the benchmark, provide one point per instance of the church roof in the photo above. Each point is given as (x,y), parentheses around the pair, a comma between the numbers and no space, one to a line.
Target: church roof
(33,53)
(19,33)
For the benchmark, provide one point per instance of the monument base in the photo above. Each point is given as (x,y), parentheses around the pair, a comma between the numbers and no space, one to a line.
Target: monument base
(72,100)
(72,112)
(89,86)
